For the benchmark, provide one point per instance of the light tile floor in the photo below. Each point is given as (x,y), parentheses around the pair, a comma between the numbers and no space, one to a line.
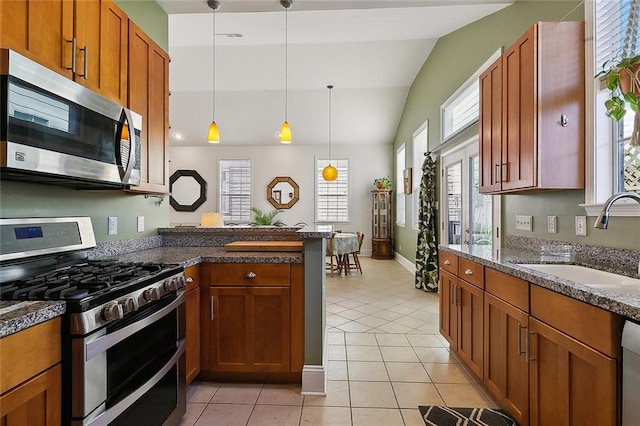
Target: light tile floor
(386,357)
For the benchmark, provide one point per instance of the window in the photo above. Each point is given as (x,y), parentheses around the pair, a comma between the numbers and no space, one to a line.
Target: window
(613,165)
(420,146)
(462,109)
(332,198)
(399,186)
(235,190)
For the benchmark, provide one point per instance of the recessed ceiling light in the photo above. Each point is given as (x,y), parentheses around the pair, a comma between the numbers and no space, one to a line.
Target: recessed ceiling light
(178,136)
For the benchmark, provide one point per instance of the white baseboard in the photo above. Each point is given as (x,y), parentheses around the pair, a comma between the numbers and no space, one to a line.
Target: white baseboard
(408,264)
(314,380)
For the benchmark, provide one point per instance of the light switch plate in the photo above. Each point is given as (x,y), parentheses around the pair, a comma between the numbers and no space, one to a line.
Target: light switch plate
(581,225)
(113,225)
(552,224)
(140,223)
(524,223)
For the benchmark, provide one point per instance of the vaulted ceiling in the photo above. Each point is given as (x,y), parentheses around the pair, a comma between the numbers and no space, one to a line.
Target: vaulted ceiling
(370,50)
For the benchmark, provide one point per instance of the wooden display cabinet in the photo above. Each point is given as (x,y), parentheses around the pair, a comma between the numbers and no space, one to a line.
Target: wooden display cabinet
(381,243)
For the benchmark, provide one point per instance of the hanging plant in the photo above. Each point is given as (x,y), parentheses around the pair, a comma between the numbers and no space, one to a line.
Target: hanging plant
(622,76)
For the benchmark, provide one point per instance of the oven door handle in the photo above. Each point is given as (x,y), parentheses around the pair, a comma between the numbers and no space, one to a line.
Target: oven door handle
(112,413)
(103,343)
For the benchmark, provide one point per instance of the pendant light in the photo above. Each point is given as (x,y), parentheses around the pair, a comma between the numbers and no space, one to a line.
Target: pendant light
(213,135)
(330,173)
(285,130)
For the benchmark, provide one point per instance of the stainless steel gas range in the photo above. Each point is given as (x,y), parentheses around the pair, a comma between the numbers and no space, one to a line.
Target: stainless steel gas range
(123,333)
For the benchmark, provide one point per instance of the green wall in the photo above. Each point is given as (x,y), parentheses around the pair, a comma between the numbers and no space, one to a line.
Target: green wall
(453,60)
(21,199)
(149,16)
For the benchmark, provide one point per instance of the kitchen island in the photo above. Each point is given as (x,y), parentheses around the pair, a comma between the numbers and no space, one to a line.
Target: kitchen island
(193,246)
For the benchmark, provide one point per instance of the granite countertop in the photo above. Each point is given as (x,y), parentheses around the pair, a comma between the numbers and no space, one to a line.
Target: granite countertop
(16,316)
(188,256)
(299,232)
(507,259)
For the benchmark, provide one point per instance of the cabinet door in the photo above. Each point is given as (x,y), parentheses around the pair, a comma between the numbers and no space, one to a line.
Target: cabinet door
(470,301)
(491,128)
(506,371)
(148,81)
(571,383)
(35,402)
(250,329)
(519,113)
(448,309)
(39,29)
(192,303)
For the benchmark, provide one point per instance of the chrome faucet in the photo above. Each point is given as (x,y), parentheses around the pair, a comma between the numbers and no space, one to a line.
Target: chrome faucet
(603,218)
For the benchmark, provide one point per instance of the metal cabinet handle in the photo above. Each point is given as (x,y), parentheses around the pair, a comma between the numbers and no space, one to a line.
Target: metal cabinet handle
(73,54)
(189,279)
(564,120)
(447,262)
(520,351)
(85,51)
(468,272)
(250,275)
(213,310)
(498,173)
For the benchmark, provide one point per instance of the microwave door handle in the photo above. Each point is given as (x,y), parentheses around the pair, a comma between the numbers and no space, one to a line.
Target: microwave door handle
(132,150)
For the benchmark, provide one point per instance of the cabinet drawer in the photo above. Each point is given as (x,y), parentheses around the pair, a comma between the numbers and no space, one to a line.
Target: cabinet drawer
(192,276)
(471,272)
(250,274)
(510,289)
(449,262)
(592,326)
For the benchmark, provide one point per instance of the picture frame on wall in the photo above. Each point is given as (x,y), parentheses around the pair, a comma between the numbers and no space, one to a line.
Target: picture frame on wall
(407,180)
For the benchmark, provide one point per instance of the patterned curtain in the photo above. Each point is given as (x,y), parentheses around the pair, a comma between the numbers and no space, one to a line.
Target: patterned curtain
(427,251)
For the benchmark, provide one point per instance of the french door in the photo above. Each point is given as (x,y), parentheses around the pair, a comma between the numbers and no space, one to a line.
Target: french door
(468,217)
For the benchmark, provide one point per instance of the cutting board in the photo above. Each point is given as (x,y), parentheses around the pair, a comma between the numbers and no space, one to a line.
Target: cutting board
(264,246)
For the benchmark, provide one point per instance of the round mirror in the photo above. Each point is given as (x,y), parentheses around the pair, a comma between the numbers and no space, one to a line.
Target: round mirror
(283,192)
(188,190)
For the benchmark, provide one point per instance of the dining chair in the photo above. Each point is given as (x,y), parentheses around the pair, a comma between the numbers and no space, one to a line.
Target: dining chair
(329,265)
(354,255)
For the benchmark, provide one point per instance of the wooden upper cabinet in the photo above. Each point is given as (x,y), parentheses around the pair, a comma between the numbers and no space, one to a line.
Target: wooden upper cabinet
(148,82)
(41,30)
(101,48)
(85,40)
(540,142)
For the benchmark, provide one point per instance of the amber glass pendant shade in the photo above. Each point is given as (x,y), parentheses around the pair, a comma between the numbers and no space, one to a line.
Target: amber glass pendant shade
(285,133)
(330,173)
(213,135)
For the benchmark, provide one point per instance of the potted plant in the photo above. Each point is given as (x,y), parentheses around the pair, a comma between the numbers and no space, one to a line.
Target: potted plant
(261,218)
(382,183)
(622,78)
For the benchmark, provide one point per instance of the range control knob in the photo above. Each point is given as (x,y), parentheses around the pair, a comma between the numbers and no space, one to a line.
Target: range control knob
(151,294)
(113,312)
(181,282)
(169,284)
(130,305)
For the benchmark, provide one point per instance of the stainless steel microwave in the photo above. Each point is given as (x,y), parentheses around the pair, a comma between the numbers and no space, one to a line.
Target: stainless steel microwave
(54,130)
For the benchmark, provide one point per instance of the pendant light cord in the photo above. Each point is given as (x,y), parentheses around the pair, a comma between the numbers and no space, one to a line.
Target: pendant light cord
(286,63)
(214,66)
(330,87)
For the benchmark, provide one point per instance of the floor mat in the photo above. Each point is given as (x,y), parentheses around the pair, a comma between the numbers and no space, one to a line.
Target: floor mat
(434,415)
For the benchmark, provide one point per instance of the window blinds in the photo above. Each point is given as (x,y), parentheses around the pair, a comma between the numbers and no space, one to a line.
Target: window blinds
(612,17)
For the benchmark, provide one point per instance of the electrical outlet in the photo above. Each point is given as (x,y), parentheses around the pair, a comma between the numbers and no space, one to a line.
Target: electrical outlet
(581,225)
(140,223)
(113,225)
(552,224)
(524,223)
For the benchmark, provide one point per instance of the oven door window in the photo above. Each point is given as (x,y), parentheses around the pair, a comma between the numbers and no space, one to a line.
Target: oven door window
(43,120)
(135,360)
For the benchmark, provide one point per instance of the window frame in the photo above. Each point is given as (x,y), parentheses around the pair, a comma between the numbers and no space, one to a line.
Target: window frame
(600,135)
(401,203)
(320,163)
(221,194)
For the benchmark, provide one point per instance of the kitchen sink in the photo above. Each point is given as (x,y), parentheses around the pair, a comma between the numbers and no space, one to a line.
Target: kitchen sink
(590,277)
